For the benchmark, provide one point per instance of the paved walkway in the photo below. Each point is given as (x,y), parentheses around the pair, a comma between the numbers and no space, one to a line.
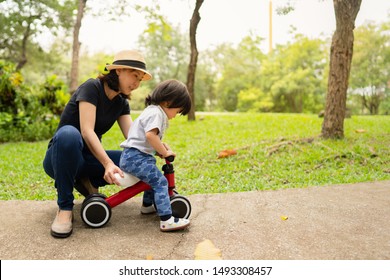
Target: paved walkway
(323,223)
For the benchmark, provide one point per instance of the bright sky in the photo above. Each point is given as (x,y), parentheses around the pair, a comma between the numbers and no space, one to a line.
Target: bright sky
(228,21)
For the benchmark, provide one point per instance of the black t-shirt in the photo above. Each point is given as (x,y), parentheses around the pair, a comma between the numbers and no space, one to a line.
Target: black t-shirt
(107,111)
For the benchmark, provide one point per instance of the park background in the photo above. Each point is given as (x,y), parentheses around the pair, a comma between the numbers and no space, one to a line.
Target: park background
(261,103)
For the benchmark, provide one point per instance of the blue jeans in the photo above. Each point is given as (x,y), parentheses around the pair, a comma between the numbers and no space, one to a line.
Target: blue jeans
(67,159)
(143,166)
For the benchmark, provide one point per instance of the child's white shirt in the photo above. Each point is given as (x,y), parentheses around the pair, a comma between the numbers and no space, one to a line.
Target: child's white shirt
(152,117)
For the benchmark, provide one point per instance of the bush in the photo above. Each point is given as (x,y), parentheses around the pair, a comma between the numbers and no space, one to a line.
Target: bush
(254,100)
(29,113)
(9,84)
(53,95)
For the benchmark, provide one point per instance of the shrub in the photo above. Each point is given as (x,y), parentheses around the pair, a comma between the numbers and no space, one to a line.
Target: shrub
(29,113)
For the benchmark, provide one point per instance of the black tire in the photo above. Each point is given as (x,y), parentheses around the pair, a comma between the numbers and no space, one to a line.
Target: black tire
(181,207)
(86,199)
(95,211)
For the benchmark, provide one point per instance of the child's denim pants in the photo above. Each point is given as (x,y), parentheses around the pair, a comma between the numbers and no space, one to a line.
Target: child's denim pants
(143,166)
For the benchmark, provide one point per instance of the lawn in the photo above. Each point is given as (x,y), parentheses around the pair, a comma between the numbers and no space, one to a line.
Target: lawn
(274,151)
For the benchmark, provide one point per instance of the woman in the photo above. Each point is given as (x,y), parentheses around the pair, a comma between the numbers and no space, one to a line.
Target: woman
(75,155)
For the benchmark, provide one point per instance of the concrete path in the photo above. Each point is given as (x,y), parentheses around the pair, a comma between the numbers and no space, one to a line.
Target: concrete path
(340,222)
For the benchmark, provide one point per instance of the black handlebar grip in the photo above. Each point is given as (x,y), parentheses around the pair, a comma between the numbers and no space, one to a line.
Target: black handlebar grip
(170,158)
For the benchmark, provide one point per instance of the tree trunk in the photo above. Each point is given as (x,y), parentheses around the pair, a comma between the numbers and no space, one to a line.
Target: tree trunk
(23,57)
(74,72)
(340,66)
(194,57)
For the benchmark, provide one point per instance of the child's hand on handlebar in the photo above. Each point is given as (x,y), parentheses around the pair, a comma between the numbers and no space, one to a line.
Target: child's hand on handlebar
(169,153)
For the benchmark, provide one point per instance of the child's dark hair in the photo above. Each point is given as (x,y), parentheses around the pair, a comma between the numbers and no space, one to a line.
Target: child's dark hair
(174,92)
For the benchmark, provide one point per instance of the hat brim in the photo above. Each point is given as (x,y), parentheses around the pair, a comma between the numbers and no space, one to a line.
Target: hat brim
(146,77)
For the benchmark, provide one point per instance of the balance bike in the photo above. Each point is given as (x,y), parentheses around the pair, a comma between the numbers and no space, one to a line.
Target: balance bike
(96,208)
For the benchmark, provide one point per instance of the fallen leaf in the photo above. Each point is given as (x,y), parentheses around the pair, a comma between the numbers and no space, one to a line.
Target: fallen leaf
(206,250)
(284,218)
(227,153)
(360,130)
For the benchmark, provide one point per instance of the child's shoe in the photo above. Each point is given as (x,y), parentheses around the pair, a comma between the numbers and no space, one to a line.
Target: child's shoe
(173,224)
(146,210)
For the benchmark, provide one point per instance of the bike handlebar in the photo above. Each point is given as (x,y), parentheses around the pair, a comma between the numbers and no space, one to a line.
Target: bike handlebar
(170,158)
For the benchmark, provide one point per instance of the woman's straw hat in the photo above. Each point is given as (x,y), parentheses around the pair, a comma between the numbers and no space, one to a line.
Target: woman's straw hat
(132,60)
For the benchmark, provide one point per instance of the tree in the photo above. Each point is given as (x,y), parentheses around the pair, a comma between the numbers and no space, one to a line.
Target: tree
(238,70)
(227,62)
(294,75)
(339,67)
(23,20)
(166,48)
(194,57)
(119,7)
(205,97)
(370,70)
(74,71)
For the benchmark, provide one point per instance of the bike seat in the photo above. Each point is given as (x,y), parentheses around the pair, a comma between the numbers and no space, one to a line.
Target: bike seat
(128,180)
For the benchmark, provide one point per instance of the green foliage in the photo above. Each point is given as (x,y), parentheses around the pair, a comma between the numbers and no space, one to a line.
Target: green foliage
(166,48)
(42,64)
(29,113)
(254,100)
(9,85)
(290,79)
(294,75)
(205,95)
(293,78)
(138,98)
(370,70)
(240,68)
(274,151)
(384,107)
(22,21)
(53,95)
(92,65)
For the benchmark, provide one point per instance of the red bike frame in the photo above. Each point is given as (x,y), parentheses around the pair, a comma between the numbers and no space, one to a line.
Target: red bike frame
(139,187)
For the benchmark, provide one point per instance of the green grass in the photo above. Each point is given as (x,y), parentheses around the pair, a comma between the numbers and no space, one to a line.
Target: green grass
(273,152)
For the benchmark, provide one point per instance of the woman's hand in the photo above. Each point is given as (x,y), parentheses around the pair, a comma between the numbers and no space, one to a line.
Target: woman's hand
(109,173)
